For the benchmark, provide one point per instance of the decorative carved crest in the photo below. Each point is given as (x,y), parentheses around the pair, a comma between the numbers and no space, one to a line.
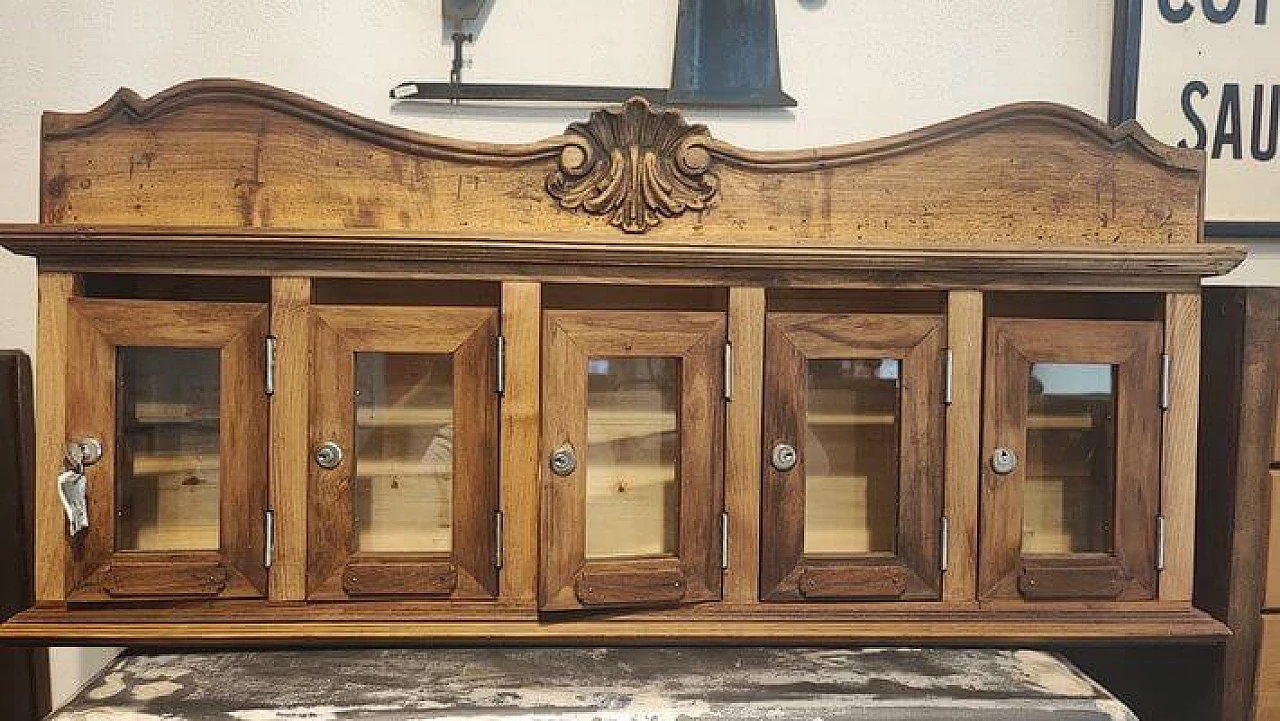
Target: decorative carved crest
(636,165)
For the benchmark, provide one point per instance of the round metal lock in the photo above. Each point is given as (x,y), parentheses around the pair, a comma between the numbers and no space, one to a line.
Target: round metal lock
(84,452)
(328,455)
(564,461)
(783,457)
(1003,461)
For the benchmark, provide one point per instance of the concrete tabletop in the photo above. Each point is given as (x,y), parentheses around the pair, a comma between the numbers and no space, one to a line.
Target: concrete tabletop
(654,684)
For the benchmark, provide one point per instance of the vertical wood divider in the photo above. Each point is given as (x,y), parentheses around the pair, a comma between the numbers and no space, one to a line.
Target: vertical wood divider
(290,416)
(965,327)
(742,444)
(1178,457)
(520,465)
(55,290)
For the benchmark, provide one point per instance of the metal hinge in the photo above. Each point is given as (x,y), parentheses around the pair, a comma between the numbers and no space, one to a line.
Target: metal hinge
(500,367)
(724,541)
(728,371)
(1164,381)
(946,376)
(497,539)
(945,556)
(270,350)
(1160,536)
(269,545)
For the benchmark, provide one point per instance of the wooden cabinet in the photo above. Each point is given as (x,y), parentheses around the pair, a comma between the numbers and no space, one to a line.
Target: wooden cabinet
(853,424)
(1071,478)
(403,496)
(173,392)
(626,384)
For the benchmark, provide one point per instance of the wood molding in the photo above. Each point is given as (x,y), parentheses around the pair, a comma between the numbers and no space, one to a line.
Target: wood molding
(228,153)
(516,257)
(1189,625)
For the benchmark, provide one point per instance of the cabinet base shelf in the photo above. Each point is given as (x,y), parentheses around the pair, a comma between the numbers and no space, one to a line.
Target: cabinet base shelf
(67,627)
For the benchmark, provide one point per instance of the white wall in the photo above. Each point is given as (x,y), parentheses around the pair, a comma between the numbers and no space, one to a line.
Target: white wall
(858,69)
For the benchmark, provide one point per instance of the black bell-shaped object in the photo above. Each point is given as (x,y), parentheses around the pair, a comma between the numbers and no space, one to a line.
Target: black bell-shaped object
(727,55)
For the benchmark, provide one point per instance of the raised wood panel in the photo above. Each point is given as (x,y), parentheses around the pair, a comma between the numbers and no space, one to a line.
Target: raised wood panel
(236,154)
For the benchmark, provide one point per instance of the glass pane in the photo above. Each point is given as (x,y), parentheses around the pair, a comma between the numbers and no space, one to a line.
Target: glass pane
(1069,484)
(167,449)
(632,443)
(404,453)
(851,456)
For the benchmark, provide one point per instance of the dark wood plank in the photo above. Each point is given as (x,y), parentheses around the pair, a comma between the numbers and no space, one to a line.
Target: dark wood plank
(1241,361)
(399,578)
(24,672)
(123,579)
(1071,580)
(653,583)
(848,581)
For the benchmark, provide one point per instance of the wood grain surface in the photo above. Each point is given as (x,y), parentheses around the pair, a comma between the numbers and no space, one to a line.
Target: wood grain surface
(223,153)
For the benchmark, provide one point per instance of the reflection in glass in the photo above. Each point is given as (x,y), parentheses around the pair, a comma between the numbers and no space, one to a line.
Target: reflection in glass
(851,456)
(633,438)
(403,453)
(1069,482)
(167,449)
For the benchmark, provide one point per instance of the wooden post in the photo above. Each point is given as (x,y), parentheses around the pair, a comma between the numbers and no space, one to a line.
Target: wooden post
(964,420)
(291,325)
(1178,476)
(742,444)
(521,477)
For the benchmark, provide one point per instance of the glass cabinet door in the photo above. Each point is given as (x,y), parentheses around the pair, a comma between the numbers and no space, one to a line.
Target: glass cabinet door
(174,392)
(1071,473)
(852,461)
(632,489)
(404,490)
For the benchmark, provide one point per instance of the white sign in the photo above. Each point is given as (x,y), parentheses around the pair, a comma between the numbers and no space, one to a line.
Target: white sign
(1209,78)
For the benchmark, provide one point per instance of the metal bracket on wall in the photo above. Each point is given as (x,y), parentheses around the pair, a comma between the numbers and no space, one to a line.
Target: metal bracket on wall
(726,56)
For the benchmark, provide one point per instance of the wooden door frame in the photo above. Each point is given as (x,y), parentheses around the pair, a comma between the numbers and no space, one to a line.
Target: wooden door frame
(913,570)
(335,569)
(96,329)
(571,337)
(1128,573)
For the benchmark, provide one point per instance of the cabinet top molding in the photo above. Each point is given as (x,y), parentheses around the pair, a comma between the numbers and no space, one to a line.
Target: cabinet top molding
(221,153)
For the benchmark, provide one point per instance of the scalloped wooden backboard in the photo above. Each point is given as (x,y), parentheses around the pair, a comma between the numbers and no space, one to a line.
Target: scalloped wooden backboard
(233,154)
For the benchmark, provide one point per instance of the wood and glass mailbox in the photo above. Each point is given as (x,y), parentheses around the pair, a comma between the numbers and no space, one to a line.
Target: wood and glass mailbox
(309,377)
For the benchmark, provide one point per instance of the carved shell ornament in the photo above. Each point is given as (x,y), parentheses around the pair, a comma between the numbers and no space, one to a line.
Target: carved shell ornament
(636,165)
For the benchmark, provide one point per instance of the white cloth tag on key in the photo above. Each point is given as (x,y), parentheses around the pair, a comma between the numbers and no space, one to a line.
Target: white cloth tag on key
(71,488)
